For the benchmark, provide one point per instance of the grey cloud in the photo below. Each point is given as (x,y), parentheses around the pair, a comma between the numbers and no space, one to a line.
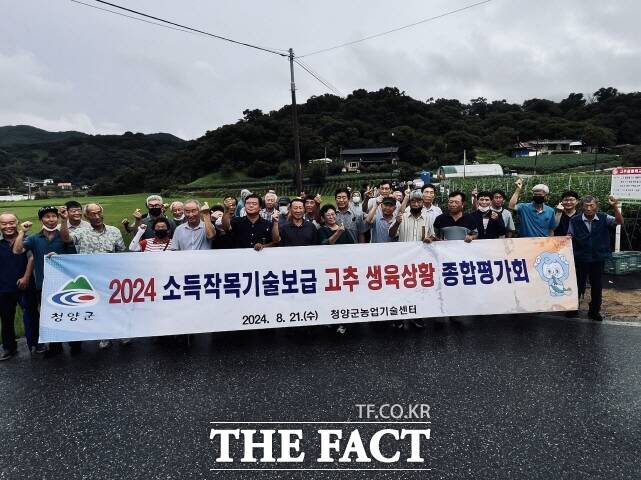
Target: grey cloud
(69,65)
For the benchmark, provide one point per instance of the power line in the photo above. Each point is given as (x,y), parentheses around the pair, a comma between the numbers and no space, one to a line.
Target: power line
(317,76)
(184,27)
(134,18)
(376,35)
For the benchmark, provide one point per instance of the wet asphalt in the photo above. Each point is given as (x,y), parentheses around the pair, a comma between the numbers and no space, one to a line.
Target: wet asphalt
(531,396)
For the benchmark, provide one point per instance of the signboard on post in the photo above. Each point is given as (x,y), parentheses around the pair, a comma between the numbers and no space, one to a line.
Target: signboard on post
(626,184)
(625,187)
(92,297)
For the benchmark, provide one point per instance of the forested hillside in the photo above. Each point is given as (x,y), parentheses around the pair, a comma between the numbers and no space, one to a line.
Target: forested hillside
(429,133)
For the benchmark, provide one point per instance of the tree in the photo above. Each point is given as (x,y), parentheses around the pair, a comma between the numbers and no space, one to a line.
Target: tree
(574,101)
(603,93)
(598,137)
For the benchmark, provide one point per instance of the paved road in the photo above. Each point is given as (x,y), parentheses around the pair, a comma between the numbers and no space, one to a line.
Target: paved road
(510,397)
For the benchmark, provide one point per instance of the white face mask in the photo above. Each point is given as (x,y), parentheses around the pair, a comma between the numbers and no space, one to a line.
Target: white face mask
(44,227)
(484,209)
(356,199)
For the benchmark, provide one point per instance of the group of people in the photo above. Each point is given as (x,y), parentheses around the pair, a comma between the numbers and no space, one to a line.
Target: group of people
(377,215)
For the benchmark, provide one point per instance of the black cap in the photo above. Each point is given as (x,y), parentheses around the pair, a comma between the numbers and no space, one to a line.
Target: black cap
(44,210)
(389,201)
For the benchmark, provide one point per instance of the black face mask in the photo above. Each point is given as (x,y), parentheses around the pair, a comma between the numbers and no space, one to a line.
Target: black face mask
(155,211)
(415,211)
(161,233)
(538,199)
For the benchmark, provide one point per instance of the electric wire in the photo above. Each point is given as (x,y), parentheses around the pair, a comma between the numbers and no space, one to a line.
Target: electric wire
(133,18)
(185,27)
(387,32)
(318,77)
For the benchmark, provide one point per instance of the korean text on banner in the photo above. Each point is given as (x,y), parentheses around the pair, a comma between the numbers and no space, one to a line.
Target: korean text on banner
(90,297)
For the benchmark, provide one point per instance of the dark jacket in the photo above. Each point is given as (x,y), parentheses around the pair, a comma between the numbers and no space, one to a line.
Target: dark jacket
(591,245)
(495,228)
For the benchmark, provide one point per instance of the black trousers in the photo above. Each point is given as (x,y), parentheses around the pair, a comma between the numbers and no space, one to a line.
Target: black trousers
(593,271)
(8,303)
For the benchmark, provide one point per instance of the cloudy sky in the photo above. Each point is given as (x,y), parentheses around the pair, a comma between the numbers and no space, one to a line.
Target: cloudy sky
(65,66)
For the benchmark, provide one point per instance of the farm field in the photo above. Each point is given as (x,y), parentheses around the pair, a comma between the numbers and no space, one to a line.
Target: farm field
(547,164)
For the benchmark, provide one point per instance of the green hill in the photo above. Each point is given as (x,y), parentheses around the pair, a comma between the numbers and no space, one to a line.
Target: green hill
(428,133)
(26,134)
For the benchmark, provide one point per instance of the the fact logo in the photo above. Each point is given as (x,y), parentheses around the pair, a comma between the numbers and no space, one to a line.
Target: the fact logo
(76,292)
(399,443)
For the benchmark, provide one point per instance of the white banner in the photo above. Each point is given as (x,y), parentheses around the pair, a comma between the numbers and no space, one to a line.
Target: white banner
(103,296)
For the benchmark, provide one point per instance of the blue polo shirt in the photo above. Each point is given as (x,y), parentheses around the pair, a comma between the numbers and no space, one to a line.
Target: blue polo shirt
(40,246)
(13,267)
(534,223)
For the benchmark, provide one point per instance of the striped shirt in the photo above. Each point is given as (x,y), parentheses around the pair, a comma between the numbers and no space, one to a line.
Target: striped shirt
(414,229)
(153,245)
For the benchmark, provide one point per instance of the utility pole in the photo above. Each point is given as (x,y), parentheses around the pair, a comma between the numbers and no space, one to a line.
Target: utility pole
(298,172)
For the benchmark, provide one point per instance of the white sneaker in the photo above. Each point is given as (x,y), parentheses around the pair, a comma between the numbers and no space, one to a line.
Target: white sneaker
(104,344)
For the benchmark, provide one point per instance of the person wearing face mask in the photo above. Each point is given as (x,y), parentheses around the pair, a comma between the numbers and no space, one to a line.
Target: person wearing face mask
(178,212)
(489,224)
(160,242)
(413,225)
(155,209)
(537,218)
(47,241)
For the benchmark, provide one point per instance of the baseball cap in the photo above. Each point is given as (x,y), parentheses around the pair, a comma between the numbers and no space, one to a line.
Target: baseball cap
(44,210)
(541,188)
(390,201)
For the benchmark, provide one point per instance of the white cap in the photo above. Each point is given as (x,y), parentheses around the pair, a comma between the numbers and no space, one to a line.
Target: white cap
(541,188)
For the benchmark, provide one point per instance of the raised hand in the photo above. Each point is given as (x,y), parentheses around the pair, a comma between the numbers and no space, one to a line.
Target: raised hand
(25,226)
(519,183)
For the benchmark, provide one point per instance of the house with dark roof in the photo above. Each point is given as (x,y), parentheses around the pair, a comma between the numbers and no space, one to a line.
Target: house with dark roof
(355,158)
(545,147)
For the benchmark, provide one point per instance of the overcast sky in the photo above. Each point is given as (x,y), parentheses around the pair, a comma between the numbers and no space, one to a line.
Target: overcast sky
(64,66)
